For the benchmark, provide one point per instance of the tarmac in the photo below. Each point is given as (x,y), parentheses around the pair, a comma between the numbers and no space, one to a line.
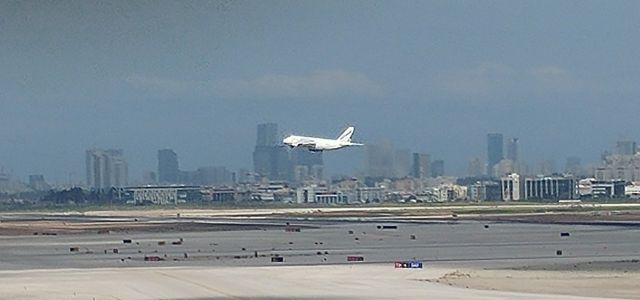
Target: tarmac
(237,264)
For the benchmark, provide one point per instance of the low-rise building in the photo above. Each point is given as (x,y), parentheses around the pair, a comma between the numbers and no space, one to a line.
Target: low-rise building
(632,190)
(485,191)
(271,191)
(223,195)
(369,194)
(511,187)
(591,188)
(336,197)
(307,194)
(162,195)
(549,188)
(450,192)
(608,189)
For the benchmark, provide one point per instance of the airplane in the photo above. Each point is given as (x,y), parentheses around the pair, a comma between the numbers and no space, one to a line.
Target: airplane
(315,144)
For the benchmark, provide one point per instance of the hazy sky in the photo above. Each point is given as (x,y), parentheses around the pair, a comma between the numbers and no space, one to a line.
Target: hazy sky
(431,76)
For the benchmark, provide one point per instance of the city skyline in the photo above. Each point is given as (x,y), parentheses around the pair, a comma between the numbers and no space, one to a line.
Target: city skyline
(197,78)
(273,161)
(168,159)
(218,149)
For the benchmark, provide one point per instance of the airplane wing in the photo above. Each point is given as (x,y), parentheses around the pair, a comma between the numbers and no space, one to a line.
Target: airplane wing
(308,144)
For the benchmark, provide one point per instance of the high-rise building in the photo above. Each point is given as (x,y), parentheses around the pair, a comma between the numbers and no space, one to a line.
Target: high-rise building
(267,134)
(272,162)
(512,149)
(380,160)
(168,167)
(421,165)
(476,167)
(626,148)
(120,169)
(307,165)
(215,176)
(437,168)
(401,163)
(495,153)
(269,158)
(106,168)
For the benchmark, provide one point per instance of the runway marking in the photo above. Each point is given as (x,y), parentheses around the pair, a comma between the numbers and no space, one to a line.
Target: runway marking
(206,287)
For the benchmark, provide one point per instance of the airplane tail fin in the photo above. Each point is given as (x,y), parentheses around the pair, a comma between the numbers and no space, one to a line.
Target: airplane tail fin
(345,136)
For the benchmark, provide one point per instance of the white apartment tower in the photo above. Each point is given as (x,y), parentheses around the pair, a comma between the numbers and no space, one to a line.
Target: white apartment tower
(106,168)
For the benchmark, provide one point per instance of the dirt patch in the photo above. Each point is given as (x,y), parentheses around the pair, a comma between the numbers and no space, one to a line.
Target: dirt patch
(621,266)
(592,279)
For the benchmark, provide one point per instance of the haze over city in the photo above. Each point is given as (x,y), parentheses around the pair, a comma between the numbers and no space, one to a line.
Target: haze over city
(312,149)
(433,77)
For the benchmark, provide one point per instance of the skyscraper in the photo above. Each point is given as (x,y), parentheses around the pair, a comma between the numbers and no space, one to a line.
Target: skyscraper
(215,176)
(495,147)
(476,167)
(512,149)
(625,148)
(269,158)
(379,160)
(168,167)
(401,163)
(106,168)
(421,165)
(437,168)
(307,165)
(267,134)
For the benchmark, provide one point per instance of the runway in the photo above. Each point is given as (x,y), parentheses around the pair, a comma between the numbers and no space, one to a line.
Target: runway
(466,243)
(195,264)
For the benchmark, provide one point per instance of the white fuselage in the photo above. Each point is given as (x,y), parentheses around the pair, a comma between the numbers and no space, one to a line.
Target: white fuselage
(316,144)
